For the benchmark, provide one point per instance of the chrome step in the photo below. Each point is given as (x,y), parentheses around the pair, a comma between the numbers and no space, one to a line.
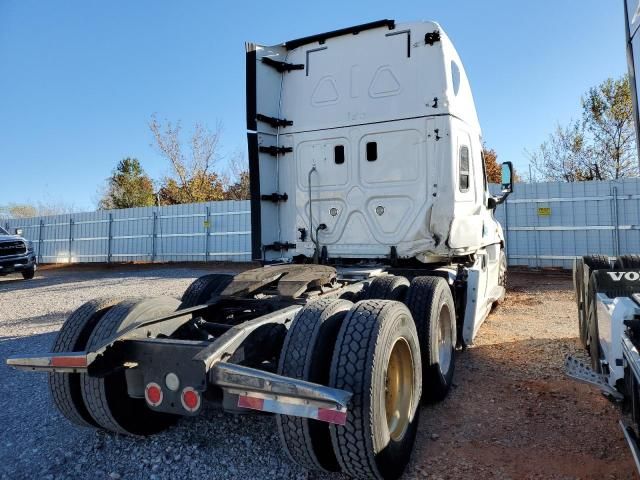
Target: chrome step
(578,370)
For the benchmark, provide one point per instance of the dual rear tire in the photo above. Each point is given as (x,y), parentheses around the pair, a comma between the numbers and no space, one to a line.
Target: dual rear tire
(430,301)
(382,351)
(431,304)
(377,357)
(372,350)
(65,388)
(587,305)
(103,402)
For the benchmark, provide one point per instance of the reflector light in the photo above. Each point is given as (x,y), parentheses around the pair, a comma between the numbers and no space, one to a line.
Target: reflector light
(153,394)
(172,381)
(190,399)
(76,361)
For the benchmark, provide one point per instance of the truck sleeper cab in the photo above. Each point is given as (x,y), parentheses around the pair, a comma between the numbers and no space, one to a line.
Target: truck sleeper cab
(381,256)
(366,145)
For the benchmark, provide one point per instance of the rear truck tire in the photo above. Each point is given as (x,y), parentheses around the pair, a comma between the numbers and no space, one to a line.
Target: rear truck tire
(386,287)
(592,327)
(431,304)
(30,273)
(205,287)
(627,261)
(106,398)
(503,272)
(578,286)
(377,358)
(597,262)
(592,262)
(65,388)
(502,276)
(306,355)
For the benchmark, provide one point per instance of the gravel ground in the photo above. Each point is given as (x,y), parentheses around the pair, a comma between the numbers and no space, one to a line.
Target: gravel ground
(512,414)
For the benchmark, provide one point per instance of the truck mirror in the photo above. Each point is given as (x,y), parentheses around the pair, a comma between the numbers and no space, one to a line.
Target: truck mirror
(507,177)
(18,231)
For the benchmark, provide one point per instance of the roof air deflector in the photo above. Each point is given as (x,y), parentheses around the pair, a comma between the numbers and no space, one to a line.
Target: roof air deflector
(321,37)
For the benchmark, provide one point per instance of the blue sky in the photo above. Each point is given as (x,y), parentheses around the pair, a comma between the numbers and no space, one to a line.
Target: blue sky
(79,80)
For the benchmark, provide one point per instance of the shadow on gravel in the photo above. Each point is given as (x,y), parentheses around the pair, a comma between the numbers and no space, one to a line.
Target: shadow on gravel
(513,414)
(53,277)
(37,442)
(47,320)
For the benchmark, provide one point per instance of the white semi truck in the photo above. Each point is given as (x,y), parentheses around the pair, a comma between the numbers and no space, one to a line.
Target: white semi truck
(608,299)
(381,254)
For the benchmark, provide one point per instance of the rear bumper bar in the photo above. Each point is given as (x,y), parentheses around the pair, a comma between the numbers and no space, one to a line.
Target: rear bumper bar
(200,365)
(256,389)
(69,362)
(265,391)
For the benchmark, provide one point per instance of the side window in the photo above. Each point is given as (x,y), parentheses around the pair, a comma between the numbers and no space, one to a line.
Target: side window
(465,172)
(455,77)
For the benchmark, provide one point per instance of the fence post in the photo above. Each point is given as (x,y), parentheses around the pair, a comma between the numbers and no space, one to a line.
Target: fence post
(616,230)
(40,240)
(153,237)
(207,234)
(109,237)
(70,237)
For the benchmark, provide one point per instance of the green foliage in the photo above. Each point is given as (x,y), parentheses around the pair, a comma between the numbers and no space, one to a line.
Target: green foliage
(198,187)
(192,177)
(239,190)
(607,112)
(129,186)
(491,165)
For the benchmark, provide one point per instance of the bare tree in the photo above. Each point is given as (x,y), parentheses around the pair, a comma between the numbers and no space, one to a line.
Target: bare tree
(238,187)
(193,178)
(39,209)
(565,157)
(600,147)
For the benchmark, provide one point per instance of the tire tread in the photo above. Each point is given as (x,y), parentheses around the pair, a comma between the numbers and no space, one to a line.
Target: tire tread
(295,362)
(72,337)
(386,287)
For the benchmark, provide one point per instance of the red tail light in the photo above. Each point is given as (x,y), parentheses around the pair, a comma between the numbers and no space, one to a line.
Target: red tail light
(153,394)
(190,399)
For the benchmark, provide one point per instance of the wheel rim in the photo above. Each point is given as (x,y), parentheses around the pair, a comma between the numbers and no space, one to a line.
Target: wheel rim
(445,339)
(399,389)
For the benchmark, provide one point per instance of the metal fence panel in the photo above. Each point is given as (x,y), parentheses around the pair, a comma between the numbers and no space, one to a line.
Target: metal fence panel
(545,224)
(550,224)
(192,232)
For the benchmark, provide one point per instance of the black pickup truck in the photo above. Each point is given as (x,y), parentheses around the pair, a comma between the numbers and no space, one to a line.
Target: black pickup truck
(16,255)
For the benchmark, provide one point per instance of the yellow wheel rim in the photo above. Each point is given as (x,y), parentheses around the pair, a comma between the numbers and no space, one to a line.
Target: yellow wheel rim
(399,389)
